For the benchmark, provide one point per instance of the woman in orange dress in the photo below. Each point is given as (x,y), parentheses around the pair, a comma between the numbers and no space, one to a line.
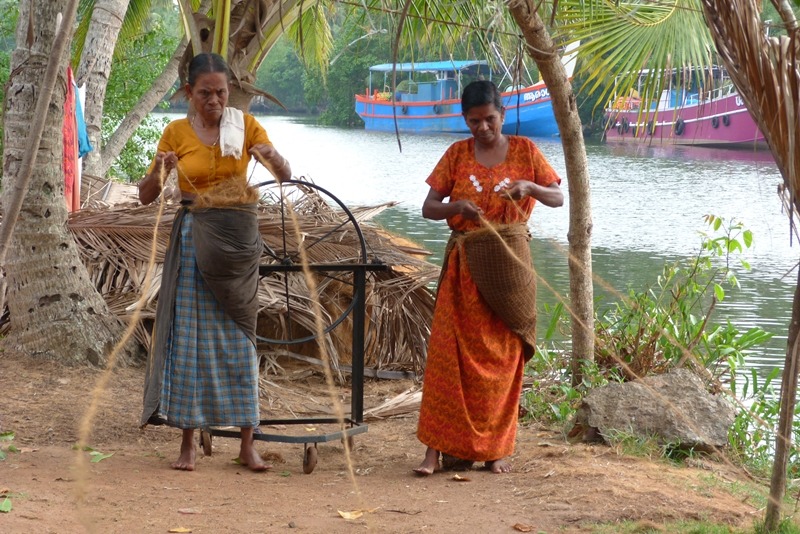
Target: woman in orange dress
(473,376)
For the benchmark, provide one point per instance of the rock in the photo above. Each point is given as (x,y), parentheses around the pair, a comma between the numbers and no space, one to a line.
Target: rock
(673,408)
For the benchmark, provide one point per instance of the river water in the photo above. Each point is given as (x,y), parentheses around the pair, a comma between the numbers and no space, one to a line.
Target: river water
(648,206)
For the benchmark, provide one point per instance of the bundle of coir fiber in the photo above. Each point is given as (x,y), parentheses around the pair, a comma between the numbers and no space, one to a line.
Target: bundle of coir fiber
(499,260)
(235,192)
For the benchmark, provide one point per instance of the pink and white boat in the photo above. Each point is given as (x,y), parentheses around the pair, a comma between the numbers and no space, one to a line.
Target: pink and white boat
(684,117)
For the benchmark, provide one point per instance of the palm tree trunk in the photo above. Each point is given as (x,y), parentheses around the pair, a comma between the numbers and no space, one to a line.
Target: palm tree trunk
(764,71)
(54,307)
(783,442)
(94,70)
(544,52)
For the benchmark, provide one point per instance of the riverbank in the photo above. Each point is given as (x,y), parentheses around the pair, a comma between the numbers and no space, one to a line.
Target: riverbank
(555,486)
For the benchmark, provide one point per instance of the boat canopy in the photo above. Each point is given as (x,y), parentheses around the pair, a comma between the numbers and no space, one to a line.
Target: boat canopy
(473,67)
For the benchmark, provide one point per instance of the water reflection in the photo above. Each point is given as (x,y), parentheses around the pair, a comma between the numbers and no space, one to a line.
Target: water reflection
(648,205)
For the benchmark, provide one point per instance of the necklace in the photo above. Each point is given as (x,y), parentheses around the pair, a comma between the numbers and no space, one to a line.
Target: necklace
(204,128)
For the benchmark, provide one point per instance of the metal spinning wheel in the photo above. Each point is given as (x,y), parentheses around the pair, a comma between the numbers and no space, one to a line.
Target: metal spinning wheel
(334,247)
(336,238)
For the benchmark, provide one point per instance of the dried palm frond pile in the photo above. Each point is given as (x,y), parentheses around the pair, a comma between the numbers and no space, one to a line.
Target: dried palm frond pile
(116,244)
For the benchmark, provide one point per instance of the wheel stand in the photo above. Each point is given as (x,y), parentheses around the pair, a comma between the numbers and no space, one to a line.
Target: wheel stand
(354,424)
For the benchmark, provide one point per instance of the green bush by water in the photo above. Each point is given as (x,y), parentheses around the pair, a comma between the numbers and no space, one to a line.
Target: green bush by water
(663,327)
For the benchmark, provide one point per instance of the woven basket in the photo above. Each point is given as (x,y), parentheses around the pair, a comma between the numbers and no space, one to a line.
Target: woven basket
(499,261)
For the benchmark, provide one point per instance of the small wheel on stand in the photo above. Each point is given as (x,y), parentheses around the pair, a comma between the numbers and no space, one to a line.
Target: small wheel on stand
(309,458)
(205,441)
(331,245)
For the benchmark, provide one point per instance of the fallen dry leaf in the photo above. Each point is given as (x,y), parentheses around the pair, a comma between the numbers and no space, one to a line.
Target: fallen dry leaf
(351,515)
(459,478)
(355,514)
(181,530)
(188,511)
(522,527)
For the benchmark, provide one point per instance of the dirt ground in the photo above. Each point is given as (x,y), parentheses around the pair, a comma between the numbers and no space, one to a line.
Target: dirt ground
(555,486)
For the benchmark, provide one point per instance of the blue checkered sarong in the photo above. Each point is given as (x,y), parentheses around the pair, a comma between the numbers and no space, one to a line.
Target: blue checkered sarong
(211,368)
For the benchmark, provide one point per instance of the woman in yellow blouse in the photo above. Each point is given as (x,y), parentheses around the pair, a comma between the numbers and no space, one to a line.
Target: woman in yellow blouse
(203,368)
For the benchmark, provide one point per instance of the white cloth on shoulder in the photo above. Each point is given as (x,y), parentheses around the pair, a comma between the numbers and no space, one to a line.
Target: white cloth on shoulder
(231,132)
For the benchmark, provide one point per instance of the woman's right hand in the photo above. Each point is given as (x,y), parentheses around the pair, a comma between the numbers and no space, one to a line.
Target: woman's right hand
(150,186)
(435,209)
(165,160)
(467,209)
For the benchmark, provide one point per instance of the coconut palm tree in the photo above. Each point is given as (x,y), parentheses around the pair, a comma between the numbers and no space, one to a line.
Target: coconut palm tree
(55,310)
(765,72)
(244,31)
(620,40)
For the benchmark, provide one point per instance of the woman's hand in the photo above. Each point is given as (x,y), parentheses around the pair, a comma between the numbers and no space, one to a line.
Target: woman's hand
(165,160)
(435,209)
(467,209)
(517,190)
(272,160)
(549,196)
(150,186)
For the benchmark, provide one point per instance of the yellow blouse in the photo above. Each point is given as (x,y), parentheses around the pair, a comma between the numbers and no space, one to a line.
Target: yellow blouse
(202,166)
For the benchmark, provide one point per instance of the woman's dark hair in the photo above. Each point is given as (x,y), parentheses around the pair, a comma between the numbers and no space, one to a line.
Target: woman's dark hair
(480,93)
(206,63)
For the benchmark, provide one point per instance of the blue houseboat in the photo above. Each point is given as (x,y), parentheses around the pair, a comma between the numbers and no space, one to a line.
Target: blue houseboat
(435,106)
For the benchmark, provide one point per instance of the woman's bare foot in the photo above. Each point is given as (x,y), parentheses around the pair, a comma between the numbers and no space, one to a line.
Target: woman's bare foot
(248,456)
(499,466)
(430,464)
(185,461)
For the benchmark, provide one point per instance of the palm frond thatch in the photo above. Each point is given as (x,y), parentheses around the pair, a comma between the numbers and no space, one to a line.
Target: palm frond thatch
(115,246)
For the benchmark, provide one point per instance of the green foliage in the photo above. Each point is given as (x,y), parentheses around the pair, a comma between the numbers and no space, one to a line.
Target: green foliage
(619,39)
(632,445)
(752,436)
(95,456)
(130,77)
(356,49)
(9,12)
(669,325)
(590,105)
(7,437)
(677,527)
(345,79)
(552,399)
(786,526)
(663,327)
(282,75)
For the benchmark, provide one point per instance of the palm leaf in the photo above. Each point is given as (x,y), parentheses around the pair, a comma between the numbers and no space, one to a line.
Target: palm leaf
(312,37)
(134,23)
(620,39)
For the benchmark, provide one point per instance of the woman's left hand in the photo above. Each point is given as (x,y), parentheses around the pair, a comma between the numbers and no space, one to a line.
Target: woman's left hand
(272,160)
(549,196)
(517,190)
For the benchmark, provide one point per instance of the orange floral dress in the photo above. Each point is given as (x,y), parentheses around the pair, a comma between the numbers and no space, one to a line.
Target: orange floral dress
(473,375)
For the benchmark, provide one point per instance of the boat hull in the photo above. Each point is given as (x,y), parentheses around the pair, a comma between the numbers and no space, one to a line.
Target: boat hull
(529,112)
(721,122)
